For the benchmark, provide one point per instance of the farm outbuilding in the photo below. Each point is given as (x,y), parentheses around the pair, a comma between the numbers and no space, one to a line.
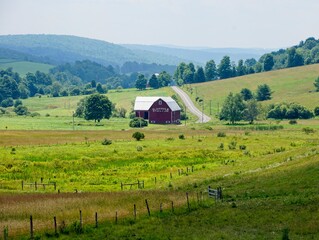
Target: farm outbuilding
(161,110)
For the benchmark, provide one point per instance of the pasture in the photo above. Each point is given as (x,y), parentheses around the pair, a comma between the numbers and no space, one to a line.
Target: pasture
(269,180)
(23,67)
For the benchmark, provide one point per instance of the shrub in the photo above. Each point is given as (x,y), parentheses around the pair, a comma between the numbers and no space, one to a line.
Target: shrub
(7,103)
(316,111)
(308,130)
(242,147)
(221,134)
(106,142)
(139,148)
(181,136)
(35,114)
(138,136)
(293,122)
(221,146)
(138,123)
(21,110)
(289,111)
(232,145)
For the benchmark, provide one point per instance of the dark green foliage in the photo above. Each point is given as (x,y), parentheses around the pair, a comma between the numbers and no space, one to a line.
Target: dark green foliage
(285,234)
(316,111)
(8,102)
(8,86)
(181,136)
(210,71)
(141,82)
(21,110)
(138,123)
(316,83)
(232,109)
(164,79)
(251,111)
(221,134)
(247,94)
(94,107)
(232,145)
(106,142)
(293,122)
(294,58)
(153,82)
(224,68)
(199,75)
(268,62)
(263,93)
(308,130)
(241,69)
(289,111)
(138,136)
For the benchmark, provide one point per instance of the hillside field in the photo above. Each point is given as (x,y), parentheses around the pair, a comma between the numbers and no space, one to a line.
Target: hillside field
(23,67)
(287,85)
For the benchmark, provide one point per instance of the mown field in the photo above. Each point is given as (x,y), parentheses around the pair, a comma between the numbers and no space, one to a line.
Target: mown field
(23,67)
(288,85)
(270,183)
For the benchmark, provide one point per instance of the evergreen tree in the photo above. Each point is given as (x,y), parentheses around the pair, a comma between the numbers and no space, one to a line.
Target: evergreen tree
(210,71)
(199,75)
(241,69)
(141,82)
(268,62)
(224,68)
(263,92)
(153,82)
(246,94)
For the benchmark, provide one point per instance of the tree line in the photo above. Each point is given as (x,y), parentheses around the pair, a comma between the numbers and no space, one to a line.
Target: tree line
(307,52)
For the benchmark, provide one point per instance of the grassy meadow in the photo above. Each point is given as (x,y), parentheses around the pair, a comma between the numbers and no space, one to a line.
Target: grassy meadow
(268,171)
(23,67)
(288,85)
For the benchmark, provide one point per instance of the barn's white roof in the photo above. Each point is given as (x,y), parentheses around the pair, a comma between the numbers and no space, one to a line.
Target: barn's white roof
(145,103)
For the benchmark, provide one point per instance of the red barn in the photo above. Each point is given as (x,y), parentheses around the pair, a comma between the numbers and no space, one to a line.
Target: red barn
(162,110)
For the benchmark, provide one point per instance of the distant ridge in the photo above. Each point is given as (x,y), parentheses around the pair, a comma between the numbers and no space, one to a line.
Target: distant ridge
(59,49)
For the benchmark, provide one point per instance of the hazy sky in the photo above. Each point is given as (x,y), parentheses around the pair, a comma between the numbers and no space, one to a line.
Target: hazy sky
(211,23)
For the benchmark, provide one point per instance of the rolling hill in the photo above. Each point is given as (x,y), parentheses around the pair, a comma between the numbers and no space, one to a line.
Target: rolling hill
(58,49)
(288,85)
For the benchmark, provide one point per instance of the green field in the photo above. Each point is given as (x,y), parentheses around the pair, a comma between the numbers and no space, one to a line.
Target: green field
(268,171)
(23,67)
(288,85)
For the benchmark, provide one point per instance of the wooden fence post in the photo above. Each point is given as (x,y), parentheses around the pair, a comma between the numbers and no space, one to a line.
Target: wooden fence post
(170,174)
(155,180)
(134,211)
(22,185)
(161,207)
(148,209)
(172,207)
(116,217)
(189,209)
(96,220)
(54,186)
(5,233)
(36,185)
(192,168)
(55,226)
(81,223)
(179,172)
(31,227)
(121,186)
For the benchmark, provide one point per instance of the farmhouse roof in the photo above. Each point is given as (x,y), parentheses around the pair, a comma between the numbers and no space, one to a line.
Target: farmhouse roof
(145,103)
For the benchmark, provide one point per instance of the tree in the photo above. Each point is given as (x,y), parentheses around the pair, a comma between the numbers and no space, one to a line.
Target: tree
(96,107)
(224,68)
(268,62)
(21,110)
(141,82)
(210,70)
(263,92)
(316,83)
(199,75)
(232,109)
(8,88)
(164,79)
(251,111)
(246,94)
(294,59)
(138,136)
(153,82)
(241,69)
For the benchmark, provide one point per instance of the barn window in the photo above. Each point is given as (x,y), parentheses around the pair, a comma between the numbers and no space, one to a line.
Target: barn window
(160,102)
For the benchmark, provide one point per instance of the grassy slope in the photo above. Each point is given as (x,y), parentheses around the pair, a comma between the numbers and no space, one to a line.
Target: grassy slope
(23,67)
(290,85)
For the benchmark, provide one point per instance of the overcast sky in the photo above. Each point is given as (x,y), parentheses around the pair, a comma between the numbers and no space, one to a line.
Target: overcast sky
(205,23)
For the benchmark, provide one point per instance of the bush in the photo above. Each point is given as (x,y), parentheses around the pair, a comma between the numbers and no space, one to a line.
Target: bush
(138,123)
(35,114)
(181,136)
(289,111)
(221,134)
(316,111)
(292,122)
(232,145)
(106,142)
(138,136)
(242,147)
(7,103)
(221,146)
(21,110)
(308,130)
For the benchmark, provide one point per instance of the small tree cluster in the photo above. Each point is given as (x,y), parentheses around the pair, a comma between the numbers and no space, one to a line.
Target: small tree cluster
(289,111)
(138,136)
(138,123)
